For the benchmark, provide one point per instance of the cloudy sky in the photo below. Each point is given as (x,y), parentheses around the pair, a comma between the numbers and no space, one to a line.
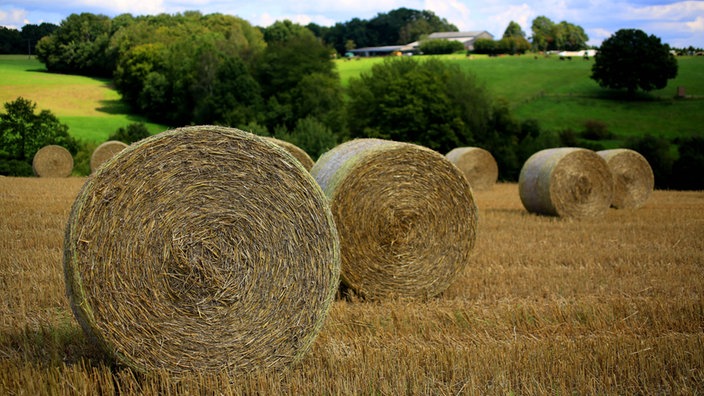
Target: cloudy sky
(678,23)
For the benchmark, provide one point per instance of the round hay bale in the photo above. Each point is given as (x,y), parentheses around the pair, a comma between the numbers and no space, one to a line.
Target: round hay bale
(633,177)
(202,249)
(104,152)
(296,151)
(566,182)
(52,161)
(477,165)
(405,214)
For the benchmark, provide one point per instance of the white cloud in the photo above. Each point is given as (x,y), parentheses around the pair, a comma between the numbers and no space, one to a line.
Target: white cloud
(13,18)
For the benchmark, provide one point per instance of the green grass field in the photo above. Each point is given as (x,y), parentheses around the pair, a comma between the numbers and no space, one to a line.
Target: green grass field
(561,95)
(90,107)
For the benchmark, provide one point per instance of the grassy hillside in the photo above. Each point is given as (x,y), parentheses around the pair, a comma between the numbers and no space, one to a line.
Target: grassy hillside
(90,107)
(561,95)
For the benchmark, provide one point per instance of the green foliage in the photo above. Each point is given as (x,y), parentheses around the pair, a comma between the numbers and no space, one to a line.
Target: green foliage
(513,42)
(659,155)
(440,46)
(131,133)
(430,103)
(78,46)
(23,133)
(688,169)
(632,60)
(564,36)
(312,136)
(298,78)
(513,30)
(596,130)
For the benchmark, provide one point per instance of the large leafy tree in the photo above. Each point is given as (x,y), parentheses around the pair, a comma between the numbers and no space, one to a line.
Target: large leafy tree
(431,103)
(298,78)
(548,36)
(78,46)
(632,60)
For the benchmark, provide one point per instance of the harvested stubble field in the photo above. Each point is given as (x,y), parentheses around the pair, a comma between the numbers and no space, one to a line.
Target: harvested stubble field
(612,305)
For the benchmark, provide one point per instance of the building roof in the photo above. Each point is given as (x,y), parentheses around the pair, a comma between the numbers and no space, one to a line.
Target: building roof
(458,35)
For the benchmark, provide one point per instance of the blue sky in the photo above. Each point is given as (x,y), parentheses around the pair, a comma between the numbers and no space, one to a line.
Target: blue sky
(678,23)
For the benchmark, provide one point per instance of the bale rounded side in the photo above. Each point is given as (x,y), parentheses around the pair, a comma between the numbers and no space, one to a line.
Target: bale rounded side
(405,214)
(104,152)
(202,249)
(294,150)
(477,165)
(633,177)
(52,161)
(566,182)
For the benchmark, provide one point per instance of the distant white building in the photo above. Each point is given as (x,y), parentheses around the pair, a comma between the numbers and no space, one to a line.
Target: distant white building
(466,38)
(577,54)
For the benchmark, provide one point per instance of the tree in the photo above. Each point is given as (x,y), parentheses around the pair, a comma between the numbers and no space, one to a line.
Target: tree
(23,133)
(431,103)
(131,133)
(440,46)
(632,60)
(514,30)
(543,33)
(549,36)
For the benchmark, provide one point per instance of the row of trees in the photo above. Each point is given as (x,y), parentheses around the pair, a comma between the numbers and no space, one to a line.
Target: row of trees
(24,41)
(547,36)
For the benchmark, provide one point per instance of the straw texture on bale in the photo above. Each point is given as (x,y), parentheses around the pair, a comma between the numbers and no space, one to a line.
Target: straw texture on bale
(566,182)
(477,165)
(296,151)
(405,214)
(52,161)
(633,177)
(202,249)
(104,152)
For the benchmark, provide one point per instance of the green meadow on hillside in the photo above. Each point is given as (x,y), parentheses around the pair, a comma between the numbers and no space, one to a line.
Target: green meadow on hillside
(561,95)
(90,107)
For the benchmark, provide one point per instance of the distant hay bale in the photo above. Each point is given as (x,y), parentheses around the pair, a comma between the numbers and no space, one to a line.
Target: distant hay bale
(52,161)
(406,217)
(296,151)
(566,182)
(104,152)
(633,177)
(478,166)
(202,249)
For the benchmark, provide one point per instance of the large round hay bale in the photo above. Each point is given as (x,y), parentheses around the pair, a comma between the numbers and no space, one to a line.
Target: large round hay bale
(202,249)
(52,161)
(104,152)
(633,177)
(566,182)
(296,151)
(477,165)
(405,214)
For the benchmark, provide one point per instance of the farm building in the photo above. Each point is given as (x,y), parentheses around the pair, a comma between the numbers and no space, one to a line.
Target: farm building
(466,38)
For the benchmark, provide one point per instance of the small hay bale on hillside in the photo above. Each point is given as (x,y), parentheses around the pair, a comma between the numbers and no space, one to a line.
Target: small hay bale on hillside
(104,152)
(633,177)
(566,182)
(202,249)
(478,166)
(296,151)
(405,214)
(52,161)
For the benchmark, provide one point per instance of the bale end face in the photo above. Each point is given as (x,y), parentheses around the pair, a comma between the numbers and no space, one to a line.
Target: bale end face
(406,217)
(633,177)
(52,161)
(477,165)
(566,182)
(202,249)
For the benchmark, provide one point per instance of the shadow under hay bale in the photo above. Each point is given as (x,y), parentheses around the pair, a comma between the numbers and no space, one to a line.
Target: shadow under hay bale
(202,249)
(633,177)
(566,182)
(405,214)
(477,165)
(52,161)
(294,150)
(104,152)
